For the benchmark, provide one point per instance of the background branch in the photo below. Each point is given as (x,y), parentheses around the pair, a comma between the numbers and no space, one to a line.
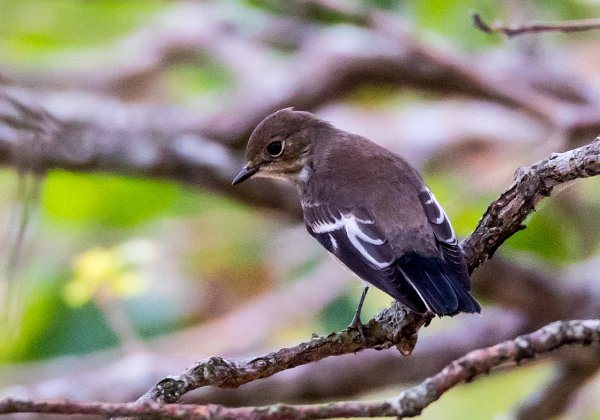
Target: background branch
(532,28)
(572,370)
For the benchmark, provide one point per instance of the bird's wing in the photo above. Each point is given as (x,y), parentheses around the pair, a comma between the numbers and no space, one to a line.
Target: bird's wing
(354,237)
(445,236)
(355,228)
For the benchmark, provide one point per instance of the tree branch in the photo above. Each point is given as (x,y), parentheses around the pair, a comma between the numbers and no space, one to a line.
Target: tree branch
(408,403)
(125,139)
(394,326)
(347,376)
(505,216)
(530,28)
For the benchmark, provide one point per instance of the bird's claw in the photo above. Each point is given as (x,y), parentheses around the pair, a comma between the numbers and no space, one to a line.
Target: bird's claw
(357,325)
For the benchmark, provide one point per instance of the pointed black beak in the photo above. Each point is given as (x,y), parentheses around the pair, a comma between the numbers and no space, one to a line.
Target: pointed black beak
(244,174)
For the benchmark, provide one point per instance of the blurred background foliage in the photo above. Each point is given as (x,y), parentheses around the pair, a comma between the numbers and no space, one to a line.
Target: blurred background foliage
(111,259)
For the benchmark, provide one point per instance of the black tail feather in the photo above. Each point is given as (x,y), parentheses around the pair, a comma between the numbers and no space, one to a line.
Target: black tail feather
(444,290)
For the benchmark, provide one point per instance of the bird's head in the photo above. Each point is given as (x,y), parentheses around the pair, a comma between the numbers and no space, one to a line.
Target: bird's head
(279,146)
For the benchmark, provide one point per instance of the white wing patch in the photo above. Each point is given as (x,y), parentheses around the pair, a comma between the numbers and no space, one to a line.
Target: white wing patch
(334,243)
(437,217)
(350,225)
(433,201)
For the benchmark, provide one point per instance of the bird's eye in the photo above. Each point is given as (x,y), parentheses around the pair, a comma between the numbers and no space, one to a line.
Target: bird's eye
(275,148)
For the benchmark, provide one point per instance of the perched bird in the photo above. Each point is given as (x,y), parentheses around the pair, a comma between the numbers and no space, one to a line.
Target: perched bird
(368,207)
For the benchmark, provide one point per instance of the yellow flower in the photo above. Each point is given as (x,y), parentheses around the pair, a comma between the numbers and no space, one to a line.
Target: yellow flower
(116,272)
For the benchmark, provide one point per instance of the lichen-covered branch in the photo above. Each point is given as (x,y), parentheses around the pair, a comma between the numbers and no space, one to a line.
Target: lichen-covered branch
(408,403)
(394,326)
(347,376)
(505,216)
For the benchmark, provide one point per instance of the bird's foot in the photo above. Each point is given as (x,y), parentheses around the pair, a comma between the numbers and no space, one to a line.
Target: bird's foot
(357,325)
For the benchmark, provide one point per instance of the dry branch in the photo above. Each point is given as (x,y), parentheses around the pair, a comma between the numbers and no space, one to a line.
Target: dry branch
(408,403)
(559,295)
(394,326)
(505,216)
(347,376)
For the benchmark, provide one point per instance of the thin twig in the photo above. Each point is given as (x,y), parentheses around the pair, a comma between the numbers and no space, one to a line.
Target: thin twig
(531,28)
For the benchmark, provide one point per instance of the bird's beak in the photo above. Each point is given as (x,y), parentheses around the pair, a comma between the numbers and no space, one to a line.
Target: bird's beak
(244,174)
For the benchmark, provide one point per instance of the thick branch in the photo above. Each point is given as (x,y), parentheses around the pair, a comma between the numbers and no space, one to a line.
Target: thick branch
(394,326)
(133,140)
(347,376)
(408,403)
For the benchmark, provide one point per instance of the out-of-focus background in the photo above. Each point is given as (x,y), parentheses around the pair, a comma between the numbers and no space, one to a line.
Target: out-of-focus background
(131,256)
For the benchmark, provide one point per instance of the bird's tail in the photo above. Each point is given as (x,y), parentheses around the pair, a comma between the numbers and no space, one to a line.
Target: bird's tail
(443,289)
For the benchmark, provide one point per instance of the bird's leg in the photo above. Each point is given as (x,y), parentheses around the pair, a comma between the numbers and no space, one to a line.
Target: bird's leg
(356,319)
(356,322)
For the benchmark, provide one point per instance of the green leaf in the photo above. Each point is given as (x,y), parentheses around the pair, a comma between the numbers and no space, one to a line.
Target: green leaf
(105,201)
(32,30)
(452,19)
(50,328)
(505,389)
(550,234)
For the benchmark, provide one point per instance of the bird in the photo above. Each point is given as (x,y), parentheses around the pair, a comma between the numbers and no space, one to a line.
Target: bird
(369,208)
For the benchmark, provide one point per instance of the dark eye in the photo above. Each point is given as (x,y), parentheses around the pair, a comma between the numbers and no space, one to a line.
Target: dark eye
(275,148)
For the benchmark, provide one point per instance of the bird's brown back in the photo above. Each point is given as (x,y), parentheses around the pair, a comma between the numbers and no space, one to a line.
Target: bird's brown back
(353,171)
